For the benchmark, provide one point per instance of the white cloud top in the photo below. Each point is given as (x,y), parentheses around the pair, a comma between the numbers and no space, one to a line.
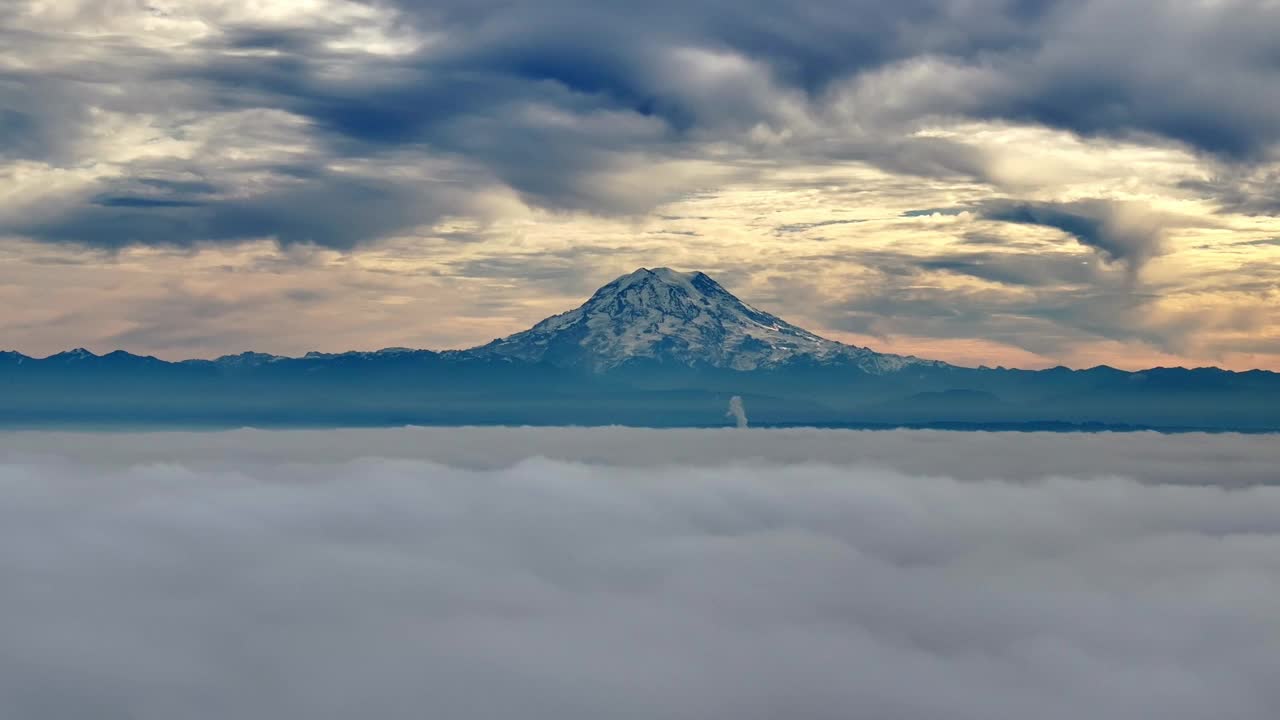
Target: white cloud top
(401,573)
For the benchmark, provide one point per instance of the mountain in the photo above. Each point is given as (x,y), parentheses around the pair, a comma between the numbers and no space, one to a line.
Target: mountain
(683,319)
(655,347)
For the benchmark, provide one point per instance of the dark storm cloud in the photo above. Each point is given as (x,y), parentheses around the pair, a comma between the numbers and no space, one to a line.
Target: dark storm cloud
(139,202)
(1202,74)
(807,45)
(1119,232)
(324,209)
(1203,77)
(1248,190)
(550,99)
(641,574)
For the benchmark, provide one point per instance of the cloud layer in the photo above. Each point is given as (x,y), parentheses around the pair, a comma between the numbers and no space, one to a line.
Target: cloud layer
(282,575)
(561,103)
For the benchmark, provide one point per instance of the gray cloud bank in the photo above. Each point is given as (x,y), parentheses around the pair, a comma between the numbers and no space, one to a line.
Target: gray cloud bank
(1225,459)
(743,574)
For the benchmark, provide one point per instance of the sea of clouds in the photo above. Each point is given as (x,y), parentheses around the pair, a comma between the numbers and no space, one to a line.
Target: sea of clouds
(615,573)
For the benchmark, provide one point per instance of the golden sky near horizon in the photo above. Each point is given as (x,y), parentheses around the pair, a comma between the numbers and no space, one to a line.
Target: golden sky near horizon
(985,186)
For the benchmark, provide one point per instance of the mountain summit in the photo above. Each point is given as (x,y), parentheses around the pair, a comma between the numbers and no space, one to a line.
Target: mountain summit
(687,319)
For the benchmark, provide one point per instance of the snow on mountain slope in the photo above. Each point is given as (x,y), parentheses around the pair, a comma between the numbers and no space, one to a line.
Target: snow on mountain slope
(680,318)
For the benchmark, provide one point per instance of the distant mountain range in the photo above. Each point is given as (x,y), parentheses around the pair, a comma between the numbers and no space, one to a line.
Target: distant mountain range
(655,348)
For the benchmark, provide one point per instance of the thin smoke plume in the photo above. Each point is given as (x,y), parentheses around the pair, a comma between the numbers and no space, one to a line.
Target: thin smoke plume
(736,411)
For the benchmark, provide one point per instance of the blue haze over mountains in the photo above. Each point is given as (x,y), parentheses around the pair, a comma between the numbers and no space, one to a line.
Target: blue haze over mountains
(655,347)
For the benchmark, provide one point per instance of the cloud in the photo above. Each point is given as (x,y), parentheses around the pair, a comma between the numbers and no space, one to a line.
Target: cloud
(1120,232)
(328,209)
(1150,458)
(1085,78)
(572,107)
(1247,190)
(1045,299)
(801,227)
(277,575)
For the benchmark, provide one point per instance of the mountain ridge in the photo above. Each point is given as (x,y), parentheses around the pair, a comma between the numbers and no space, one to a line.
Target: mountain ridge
(652,348)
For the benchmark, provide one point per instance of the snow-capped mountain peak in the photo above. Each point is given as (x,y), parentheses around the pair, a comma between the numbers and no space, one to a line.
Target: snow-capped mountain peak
(680,318)
(73,355)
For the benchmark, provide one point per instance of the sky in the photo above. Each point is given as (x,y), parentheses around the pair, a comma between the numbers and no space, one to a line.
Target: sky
(1003,182)
(589,573)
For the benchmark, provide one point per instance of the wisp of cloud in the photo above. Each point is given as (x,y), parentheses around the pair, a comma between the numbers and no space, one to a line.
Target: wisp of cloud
(328,574)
